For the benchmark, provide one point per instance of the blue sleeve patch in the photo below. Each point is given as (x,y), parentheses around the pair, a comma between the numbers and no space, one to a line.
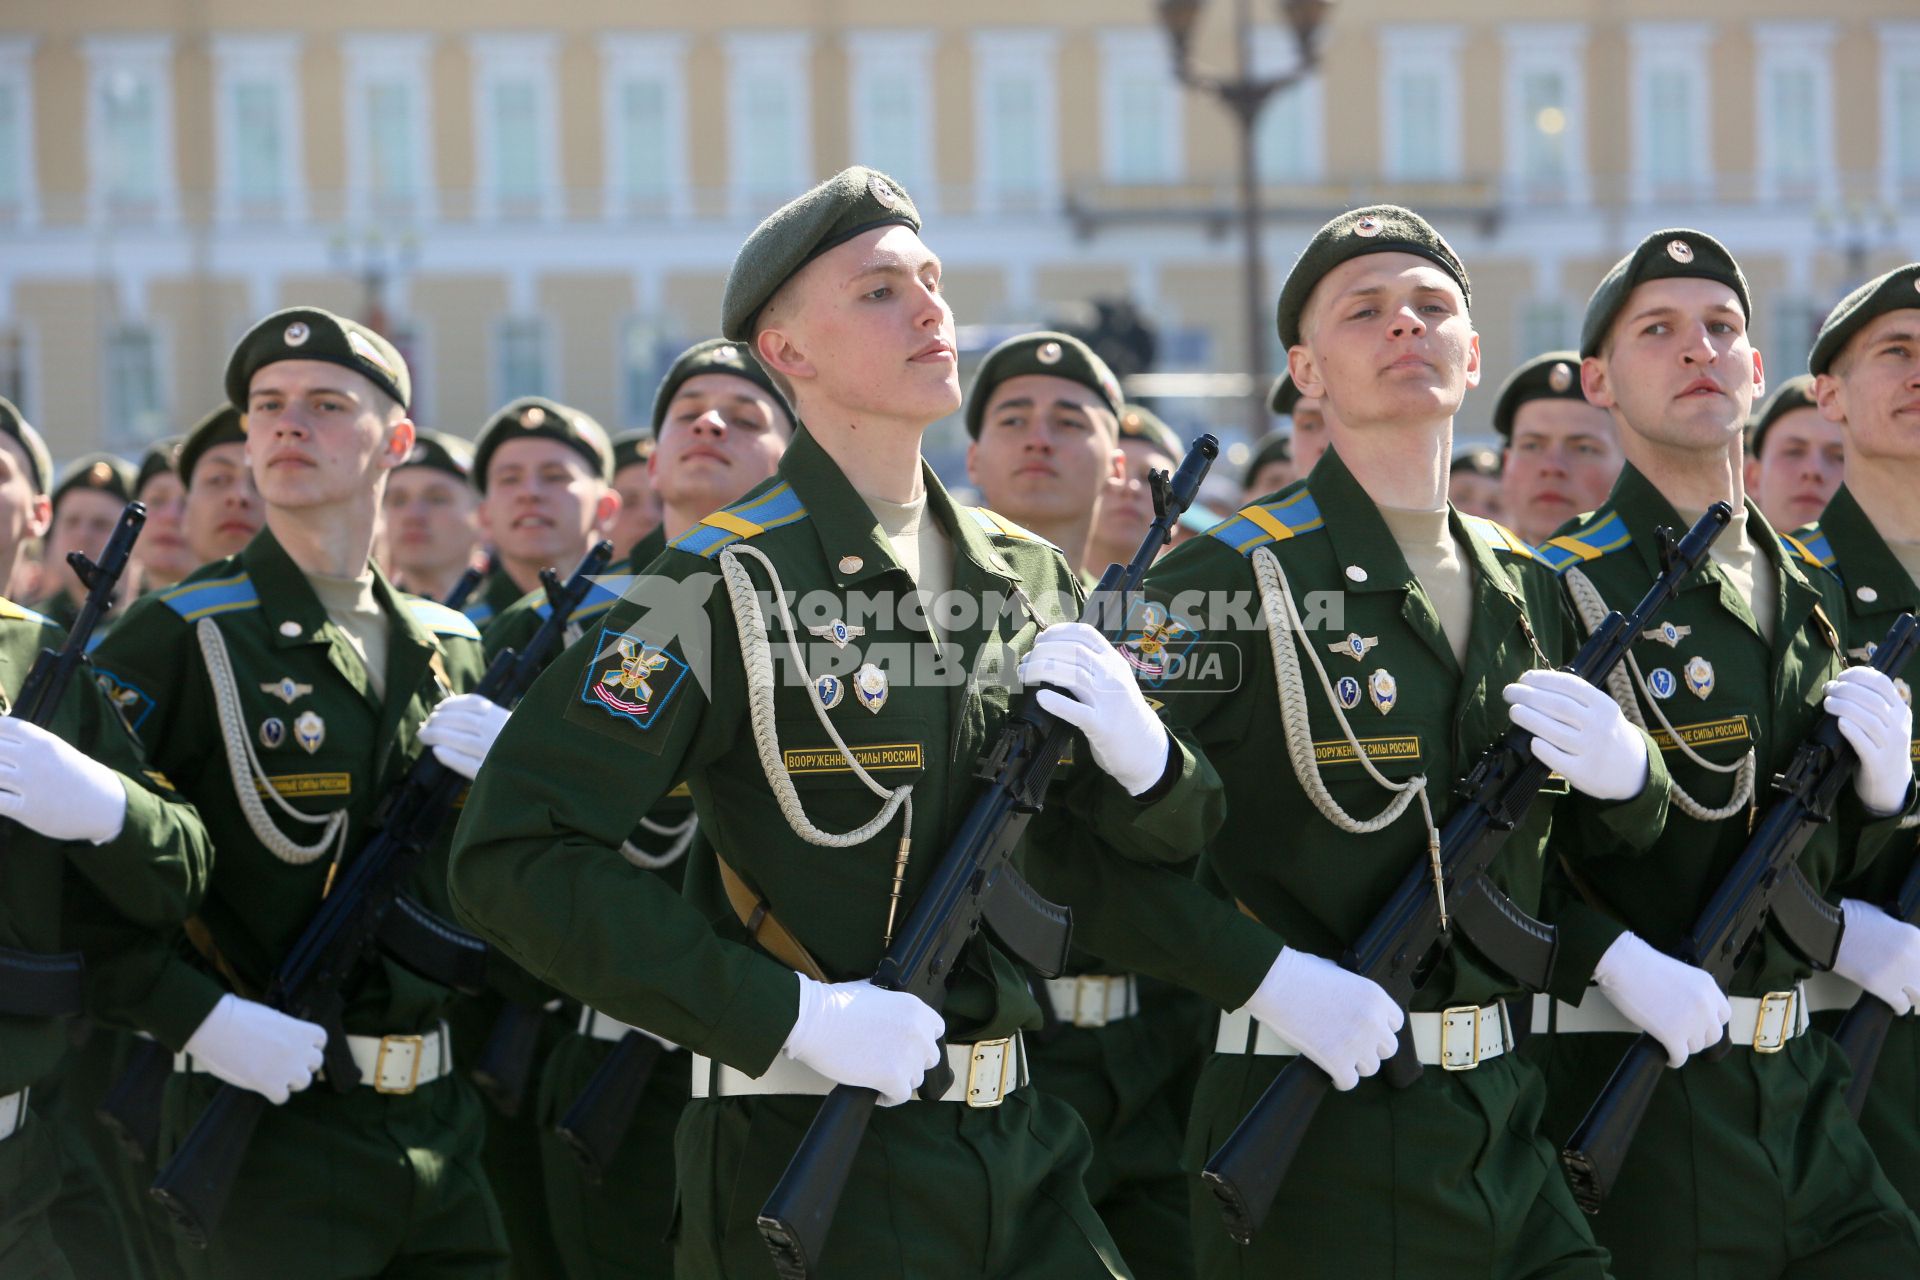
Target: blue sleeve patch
(131,701)
(630,679)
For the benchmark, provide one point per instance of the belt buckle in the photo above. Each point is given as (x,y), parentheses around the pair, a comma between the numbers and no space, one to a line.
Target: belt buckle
(1081,986)
(1469,1014)
(987,1067)
(418,1044)
(1772,1000)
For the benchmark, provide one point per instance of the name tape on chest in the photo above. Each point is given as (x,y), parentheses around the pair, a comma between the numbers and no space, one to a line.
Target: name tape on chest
(1379,750)
(873,757)
(1705,733)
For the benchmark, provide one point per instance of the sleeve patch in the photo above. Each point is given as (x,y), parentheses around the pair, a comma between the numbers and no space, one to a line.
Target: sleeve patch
(630,679)
(1156,643)
(131,701)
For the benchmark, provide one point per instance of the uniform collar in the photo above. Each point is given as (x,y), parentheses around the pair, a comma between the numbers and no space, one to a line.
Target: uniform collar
(644,552)
(1369,558)
(1864,561)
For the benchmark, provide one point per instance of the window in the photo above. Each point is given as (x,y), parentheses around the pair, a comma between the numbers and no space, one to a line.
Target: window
(1016,127)
(1791,324)
(769,143)
(1420,103)
(648,346)
(14,382)
(1546,324)
(17,187)
(389,156)
(517,139)
(1289,147)
(1899,111)
(1795,85)
(256,84)
(1672,159)
(892,97)
(130,128)
(1545,110)
(1143,109)
(136,408)
(645,125)
(520,358)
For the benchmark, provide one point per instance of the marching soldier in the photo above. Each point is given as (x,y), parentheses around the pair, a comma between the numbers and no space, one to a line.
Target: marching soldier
(1126,508)
(1866,367)
(828,796)
(1748,1164)
(545,473)
(223,508)
(431,514)
(286,690)
(1270,468)
(1795,457)
(87,501)
(1562,454)
(162,552)
(633,481)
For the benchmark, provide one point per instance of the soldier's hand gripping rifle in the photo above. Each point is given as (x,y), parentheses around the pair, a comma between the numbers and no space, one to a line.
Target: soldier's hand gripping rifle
(975,881)
(310,982)
(1434,904)
(1763,884)
(1862,1032)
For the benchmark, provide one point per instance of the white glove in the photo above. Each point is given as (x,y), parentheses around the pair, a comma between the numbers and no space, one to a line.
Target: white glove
(1878,724)
(1879,954)
(1093,690)
(859,1034)
(1579,733)
(258,1048)
(1345,1023)
(461,731)
(1680,1006)
(53,787)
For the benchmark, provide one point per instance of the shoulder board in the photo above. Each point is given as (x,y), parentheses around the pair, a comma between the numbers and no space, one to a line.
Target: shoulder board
(20,613)
(441,620)
(1261,523)
(992,523)
(1810,545)
(196,600)
(479,613)
(600,598)
(777,506)
(1606,533)
(1499,537)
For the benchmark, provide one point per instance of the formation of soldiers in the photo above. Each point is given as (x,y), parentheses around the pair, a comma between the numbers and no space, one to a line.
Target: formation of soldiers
(686,850)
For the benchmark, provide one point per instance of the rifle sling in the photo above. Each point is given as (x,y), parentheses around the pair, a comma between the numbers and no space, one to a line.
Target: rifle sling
(202,939)
(761,925)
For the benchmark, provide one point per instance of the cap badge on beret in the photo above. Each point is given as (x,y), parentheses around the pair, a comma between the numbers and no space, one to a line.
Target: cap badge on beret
(532,416)
(1680,251)
(726,353)
(1561,377)
(1367,226)
(1048,353)
(368,352)
(296,333)
(883,192)
(1916,284)
(99,473)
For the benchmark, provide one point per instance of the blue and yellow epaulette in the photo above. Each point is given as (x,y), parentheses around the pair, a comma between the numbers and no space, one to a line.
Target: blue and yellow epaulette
(755,515)
(993,523)
(20,613)
(479,613)
(1607,533)
(1811,545)
(601,595)
(441,620)
(196,600)
(1262,523)
(1499,537)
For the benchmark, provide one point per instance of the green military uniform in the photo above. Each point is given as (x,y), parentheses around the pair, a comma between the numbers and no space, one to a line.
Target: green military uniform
(148,877)
(97,472)
(1452,1172)
(1748,1165)
(939,1188)
(496,594)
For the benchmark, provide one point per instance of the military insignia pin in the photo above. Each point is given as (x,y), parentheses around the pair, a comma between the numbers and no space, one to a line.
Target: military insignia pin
(1048,353)
(1367,226)
(273,732)
(1667,634)
(1699,676)
(1384,690)
(1661,684)
(296,334)
(1680,251)
(1864,654)
(828,690)
(851,564)
(1560,377)
(287,689)
(836,631)
(870,683)
(1347,689)
(310,731)
(1355,646)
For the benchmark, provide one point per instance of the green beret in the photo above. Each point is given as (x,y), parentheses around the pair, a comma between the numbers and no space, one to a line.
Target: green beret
(1137,423)
(156,461)
(101,472)
(14,424)
(547,419)
(1677,253)
(1379,228)
(1481,462)
(1276,446)
(1794,393)
(1052,355)
(308,333)
(1552,376)
(224,425)
(1898,290)
(630,448)
(442,452)
(715,355)
(851,203)
(1283,397)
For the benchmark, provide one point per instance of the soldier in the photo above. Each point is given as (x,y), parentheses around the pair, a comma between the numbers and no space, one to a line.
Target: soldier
(87,501)
(223,510)
(1562,454)
(287,689)
(1866,367)
(25,519)
(1043,412)
(162,552)
(432,516)
(1308,414)
(1376,600)
(1473,484)
(545,473)
(633,481)
(1746,1164)
(830,796)
(1126,509)
(1795,457)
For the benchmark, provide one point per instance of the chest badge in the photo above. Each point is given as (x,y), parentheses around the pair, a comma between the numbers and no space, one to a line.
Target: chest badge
(1661,684)
(870,685)
(1384,690)
(1348,691)
(309,731)
(1699,674)
(828,690)
(1667,634)
(1354,646)
(273,732)
(287,689)
(838,632)
(1864,654)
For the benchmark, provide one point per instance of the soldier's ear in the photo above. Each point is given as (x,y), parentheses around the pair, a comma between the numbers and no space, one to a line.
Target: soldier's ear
(606,509)
(1595,383)
(1305,371)
(1473,361)
(1826,395)
(39,516)
(779,352)
(398,446)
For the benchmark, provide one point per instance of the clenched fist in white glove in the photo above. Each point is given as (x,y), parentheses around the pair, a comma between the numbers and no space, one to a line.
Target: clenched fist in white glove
(461,731)
(1093,689)
(1579,733)
(1677,1004)
(50,786)
(258,1048)
(1878,724)
(1880,955)
(1345,1023)
(859,1034)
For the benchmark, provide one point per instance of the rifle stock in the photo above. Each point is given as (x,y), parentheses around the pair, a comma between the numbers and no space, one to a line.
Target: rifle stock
(130,1109)
(596,1122)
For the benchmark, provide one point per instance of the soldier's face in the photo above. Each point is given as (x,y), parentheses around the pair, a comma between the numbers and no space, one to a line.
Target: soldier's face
(162,549)
(23,513)
(1874,389)
(639,506)
(1386,341)
(319,435)
(431,522)
(721,436)
(82,522)
(1801,463)
(1679,368)
(1563,460)
(1126,508)
(223,508)
(543,502)
(1310,434)
(1046,449)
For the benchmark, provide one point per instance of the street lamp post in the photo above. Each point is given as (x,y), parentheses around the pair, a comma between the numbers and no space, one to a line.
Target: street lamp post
(1245,95)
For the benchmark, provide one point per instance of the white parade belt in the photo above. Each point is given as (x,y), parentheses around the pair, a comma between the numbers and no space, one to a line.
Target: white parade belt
(596,1025)
(389,1064)
(1761,1023)
(13,1113)
(984,1073)
(1094,999)
(1457,1039)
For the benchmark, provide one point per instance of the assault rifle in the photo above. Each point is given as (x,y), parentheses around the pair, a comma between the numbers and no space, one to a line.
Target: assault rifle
(470,580)
(1862,1032)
